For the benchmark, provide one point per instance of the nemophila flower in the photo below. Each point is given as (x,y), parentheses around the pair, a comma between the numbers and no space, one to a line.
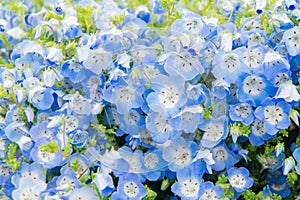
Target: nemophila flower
(33,171)
(80,138)
(193,25)
(133,158)
(188,182)
(83,193)
(5,173)
(205,156)
(129,187)
(104,183)
(281,78)
(143,13)
(40,130)
(195,94)
(215,130)
(223,157)
(272,161)
(250,24)
(179,154)
(291,39)
(29,189)
(239,179)
(132,121)
(97,61)
(253,57)
(49,158)
(66,182)
(254,87)
(208,191)
(73,70)
(16,131)
(288,92)
(80,163)
(71,28)
(296,155)
(258,133)
(273,64)
(160,128)
(183,64)
(167,96)
(242,112)
(79,104)
(282,189)
(275,114)
(220,88)
(113,160)
(124,96)
(188,119)
(253,38)
(289,164)
(41,97)
(153,165)
(228,66)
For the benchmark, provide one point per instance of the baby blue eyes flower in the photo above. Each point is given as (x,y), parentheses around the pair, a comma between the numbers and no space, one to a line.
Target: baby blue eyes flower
(275,115)
(208,191)
(291,39)
(129,187)
(179,154)
(167,96)
(239,179)
(29,189)
(242,112)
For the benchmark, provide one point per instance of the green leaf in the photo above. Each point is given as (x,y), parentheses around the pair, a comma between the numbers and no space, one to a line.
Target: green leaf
(150,194)
(51,147)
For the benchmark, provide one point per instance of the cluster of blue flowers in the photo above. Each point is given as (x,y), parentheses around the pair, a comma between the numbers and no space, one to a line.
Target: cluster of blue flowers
(162,99)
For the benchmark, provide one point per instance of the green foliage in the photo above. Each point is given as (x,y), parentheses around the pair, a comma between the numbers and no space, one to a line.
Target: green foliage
(11,160)
(50,147)
(85,18)
(283,133)
(165,184)
(292,177)
(207,112)
(150,194)
(239,129)
(250,195)
(276,197)
(224,183)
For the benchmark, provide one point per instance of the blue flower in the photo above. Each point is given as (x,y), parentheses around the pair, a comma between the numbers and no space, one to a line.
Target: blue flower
(239,179)
(71,28)
(188,182)
(258,133)
(296,155)
(153,165)
(104,183)
(124,97)
(275,114)
(167,96)
(291,40)
(215,130)
(273,64)
(84,193)
(29,189)
(183,64)
(41,97)
(208,191)
(97,61)
(254,88)
(242,112)
(223,157)
(73,70)
(129,187)
(33,171)
(193,25)
(47,159)
(179,154)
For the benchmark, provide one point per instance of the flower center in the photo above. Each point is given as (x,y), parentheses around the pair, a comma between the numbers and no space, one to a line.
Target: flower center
(190,187)
(131,189)
(280,78)
(258,128)
(124,94)
(182,156)
(273,114)
(253,58)
(243,111)
(220,153)
(151,161)
(230,62)
(294,39)
(214,132)
(150,72)
(169,96)
(209,194)
(253,85)
(193,25)
(237,181)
